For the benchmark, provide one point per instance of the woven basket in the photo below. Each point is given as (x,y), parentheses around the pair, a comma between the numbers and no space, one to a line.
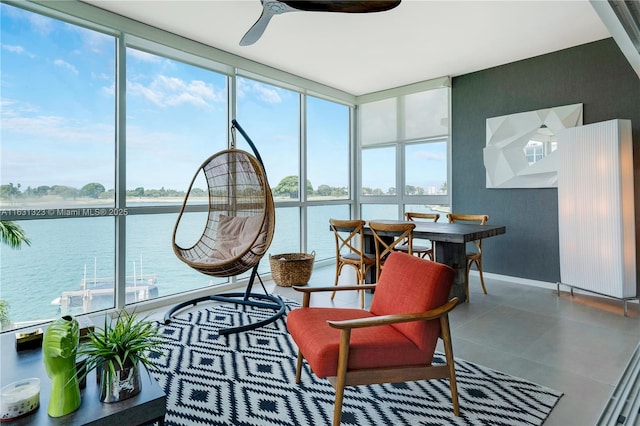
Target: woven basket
(289,269)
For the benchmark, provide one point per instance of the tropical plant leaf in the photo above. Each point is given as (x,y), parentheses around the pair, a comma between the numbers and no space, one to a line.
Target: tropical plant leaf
(13,235)
(127,340)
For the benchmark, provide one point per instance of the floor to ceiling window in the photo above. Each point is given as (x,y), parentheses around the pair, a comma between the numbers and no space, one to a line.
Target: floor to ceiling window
(270,115)
(176,117)
(404,143)
(75,173)
(328,172)
(103,130)
(57,161)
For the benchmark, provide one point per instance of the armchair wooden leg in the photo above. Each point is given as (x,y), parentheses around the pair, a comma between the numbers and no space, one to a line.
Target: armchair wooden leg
(299,368)
(343,358)
(448,351)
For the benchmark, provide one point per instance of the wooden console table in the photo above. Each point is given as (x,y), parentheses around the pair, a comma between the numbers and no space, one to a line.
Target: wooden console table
(149,406)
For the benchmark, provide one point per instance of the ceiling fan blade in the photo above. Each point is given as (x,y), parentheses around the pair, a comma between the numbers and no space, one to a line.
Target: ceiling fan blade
(269,8)
(366,6)
(256,31)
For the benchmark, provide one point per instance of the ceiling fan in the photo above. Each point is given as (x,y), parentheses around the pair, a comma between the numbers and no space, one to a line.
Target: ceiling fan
(277,7)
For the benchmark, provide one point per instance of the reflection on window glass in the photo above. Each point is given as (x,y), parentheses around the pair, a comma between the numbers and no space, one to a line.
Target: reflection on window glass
(67,269)
(327,149)
(57,122)
(378,122)
(176,119)
(270,117)
(541,144)
(426,168)
(379,211)
(426,114)
(379,171)
(319,238)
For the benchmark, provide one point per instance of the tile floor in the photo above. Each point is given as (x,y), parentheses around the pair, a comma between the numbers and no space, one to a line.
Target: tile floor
(578,345)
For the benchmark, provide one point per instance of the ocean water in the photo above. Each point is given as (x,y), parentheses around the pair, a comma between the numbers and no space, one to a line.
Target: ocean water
(64,251)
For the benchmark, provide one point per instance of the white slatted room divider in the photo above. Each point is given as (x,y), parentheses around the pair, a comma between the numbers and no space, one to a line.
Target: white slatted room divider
(596,214)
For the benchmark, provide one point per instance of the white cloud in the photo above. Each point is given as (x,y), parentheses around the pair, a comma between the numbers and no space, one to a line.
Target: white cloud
(430,156)
(268,94)
(25,120)
(166,91)
(143,56)
(17,50)
(101,76)
(41,24)
(64,64)
(138,89)
(96,42)
(109,91)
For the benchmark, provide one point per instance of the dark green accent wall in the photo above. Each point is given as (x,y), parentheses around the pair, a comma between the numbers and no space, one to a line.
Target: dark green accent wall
(596,75)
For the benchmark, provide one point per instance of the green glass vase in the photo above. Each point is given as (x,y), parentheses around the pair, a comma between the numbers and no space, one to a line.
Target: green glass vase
(59,349)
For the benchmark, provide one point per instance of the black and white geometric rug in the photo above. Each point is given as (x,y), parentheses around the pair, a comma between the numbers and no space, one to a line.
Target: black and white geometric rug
(249,379)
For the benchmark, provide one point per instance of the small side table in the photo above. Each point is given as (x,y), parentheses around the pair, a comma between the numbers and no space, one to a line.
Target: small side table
(149,406)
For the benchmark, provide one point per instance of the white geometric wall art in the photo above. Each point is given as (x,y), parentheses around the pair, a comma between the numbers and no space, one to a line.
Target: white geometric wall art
(504,157)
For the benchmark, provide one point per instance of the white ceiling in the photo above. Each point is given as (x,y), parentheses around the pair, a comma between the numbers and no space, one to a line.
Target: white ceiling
(363,53)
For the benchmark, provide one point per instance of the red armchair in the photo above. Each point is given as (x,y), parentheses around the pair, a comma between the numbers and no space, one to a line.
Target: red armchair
(392,342)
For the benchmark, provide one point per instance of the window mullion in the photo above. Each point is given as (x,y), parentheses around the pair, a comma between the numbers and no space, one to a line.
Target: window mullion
(120,267)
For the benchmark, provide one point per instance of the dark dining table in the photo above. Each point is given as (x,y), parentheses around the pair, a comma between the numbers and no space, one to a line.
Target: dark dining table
(450,246)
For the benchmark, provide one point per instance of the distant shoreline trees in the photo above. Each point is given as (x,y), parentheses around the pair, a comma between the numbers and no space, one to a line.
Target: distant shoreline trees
(288,187)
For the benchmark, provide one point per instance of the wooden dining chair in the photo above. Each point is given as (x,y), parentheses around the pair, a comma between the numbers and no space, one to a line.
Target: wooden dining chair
(349,238)
(392,342)
(418,249)
(387,236)
(474,256)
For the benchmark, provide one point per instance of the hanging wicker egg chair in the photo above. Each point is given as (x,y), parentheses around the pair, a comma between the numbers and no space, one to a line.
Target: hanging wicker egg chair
(241,217)
(239,228)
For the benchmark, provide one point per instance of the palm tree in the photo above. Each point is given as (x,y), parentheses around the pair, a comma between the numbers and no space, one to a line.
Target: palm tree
(13,235)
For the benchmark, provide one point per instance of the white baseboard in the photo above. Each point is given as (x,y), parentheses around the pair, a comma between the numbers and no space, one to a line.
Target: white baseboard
(539,284)
(516,280)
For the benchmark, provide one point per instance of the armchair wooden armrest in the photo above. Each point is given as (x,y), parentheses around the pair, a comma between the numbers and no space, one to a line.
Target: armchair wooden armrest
(307,290)
(396,318)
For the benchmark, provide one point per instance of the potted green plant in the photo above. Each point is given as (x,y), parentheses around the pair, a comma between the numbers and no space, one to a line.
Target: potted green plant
(117,351)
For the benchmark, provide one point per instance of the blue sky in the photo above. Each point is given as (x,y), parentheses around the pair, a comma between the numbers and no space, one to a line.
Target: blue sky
(58,114)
